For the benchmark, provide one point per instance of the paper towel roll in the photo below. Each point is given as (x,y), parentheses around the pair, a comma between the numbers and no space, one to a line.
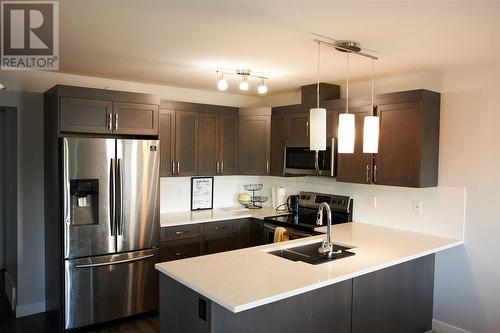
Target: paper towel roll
(278,196)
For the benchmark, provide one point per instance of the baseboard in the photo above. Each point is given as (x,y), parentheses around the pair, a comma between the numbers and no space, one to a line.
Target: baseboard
(29,309)
(440,327)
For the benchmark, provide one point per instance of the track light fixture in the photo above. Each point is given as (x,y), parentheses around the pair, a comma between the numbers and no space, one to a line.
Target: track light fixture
(244,75)
(222,83)
(262,88)
(244,83)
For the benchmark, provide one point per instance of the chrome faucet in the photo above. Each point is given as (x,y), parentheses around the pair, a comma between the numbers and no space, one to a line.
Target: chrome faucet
(327,246)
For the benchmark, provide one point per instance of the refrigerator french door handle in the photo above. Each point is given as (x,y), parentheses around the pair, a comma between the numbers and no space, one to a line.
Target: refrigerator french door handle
(119,197)
(112,190)
(114,262)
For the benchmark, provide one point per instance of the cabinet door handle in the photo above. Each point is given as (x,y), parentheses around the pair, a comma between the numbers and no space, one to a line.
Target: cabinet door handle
(217,168)
(181,232)
(177,254)
(173,168)
(307,129)
(222,167)
(375,174)
(367,173)
(267,167)
(110,121)
(178,167)
(221,227)
(116,121)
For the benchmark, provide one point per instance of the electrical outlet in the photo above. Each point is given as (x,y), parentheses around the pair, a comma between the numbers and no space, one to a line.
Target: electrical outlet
(372,201)
(417,207)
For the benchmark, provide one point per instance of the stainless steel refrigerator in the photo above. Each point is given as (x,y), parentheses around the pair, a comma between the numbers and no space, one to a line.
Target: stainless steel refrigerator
(111,228)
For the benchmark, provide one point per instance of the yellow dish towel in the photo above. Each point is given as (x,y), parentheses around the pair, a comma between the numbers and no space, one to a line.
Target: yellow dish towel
(280,235)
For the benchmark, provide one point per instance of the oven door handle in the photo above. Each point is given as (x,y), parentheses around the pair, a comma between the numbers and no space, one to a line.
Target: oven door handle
(290,231)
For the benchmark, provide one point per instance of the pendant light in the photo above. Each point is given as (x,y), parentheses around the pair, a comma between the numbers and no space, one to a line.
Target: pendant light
(346,129)
(371,126)
(317,125)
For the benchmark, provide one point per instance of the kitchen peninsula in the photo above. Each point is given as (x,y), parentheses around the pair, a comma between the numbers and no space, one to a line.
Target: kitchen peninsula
(388,283)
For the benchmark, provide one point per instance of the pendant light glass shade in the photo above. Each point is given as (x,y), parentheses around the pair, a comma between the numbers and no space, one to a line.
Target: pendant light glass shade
(370,134)
(346,133)
(317,129)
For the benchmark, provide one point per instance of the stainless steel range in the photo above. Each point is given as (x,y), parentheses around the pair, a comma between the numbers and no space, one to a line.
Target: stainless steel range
(304,223)
(111,228)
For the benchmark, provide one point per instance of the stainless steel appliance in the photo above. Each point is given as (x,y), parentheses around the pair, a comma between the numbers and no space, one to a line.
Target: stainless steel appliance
(111,228)
(300,160)
(306,221)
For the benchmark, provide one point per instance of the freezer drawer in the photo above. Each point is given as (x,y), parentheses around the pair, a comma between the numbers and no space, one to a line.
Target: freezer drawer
(108,287)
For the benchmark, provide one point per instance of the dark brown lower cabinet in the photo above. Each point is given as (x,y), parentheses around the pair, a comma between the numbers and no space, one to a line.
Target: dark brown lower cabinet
(185,241)
(219,236)
(181,249)
(326,309)
(395,299)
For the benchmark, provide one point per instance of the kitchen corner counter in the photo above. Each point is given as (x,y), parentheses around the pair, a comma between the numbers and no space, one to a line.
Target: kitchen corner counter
(244,279)
(212,215)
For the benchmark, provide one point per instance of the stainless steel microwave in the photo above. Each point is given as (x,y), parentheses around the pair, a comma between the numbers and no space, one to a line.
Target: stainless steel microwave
(299,159)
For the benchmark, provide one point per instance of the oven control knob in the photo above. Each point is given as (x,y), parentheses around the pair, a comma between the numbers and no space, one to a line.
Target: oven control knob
(308,197)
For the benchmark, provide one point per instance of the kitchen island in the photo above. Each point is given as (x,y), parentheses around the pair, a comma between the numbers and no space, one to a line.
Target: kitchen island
(387,286)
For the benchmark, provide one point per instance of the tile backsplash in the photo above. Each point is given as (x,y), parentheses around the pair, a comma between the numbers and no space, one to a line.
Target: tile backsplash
(442,207)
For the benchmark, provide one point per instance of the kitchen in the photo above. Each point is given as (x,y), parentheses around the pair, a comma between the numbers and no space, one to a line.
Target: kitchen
(161,165)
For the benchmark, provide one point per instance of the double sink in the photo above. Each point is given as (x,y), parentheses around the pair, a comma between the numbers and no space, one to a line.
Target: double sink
(310,254)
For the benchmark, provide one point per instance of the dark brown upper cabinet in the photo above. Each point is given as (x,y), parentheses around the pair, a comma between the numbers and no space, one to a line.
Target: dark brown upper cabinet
(80,115)
(218,144)
(167,143)
(204,140)
(228,144)
(298,125)
(408,145)
(279,135)
(356,167)
(186,143)
(101,111)
(135,118)
(208,144)
(255,141)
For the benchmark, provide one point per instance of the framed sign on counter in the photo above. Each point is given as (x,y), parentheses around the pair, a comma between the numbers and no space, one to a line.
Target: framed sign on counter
(202,193)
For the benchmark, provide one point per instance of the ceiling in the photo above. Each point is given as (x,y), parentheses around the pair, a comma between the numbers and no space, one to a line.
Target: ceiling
(182,43)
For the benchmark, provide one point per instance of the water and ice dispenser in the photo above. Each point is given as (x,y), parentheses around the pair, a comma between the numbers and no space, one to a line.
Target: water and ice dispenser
(84,201)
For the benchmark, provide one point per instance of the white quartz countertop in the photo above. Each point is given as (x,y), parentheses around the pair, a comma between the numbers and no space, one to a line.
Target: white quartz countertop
(247,278)
(212,215)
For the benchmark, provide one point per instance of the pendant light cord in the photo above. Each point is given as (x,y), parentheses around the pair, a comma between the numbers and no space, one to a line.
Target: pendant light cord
(347,86)
(317,79)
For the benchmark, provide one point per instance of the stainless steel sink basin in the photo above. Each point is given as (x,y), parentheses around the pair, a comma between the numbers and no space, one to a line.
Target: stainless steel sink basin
(309,253)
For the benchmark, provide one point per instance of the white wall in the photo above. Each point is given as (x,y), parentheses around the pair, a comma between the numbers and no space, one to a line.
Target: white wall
(468,278)
(40,81)
(30,210)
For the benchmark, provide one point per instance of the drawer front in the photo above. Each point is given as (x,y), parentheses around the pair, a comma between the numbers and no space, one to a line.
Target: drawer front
(181,249)
(222,229)
(180,232)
